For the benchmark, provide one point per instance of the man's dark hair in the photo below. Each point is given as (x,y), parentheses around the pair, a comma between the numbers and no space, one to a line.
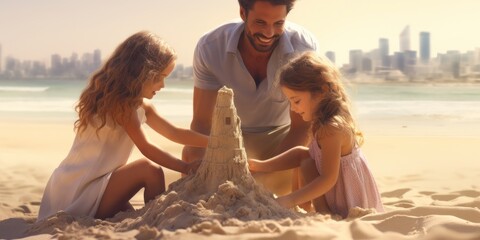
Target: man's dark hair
(248,4)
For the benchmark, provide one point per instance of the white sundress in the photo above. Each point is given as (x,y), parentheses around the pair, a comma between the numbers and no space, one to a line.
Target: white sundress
(77,185)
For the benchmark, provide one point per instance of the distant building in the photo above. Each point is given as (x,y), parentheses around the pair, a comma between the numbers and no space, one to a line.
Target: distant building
(367,65)
(410,58)
(424,47)
(398,61)
(55,65)
(355,60)
(384,52)
(405,39)
(1,69)
(331,56)
(97,59)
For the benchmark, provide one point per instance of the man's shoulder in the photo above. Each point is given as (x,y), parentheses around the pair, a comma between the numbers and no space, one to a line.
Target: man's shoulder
(222,32)
(299,35)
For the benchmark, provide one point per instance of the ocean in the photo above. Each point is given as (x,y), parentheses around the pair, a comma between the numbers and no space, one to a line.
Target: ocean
(407,107)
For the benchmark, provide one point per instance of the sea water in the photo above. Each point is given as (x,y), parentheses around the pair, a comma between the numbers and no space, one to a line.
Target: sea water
(379,105)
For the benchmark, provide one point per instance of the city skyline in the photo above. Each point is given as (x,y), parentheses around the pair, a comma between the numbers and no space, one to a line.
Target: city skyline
(31,30)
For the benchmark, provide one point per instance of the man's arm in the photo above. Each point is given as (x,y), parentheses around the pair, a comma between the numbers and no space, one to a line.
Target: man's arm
(297,136)
(203,105)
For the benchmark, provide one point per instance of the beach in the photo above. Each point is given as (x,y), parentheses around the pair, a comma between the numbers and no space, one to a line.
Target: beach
(425,164)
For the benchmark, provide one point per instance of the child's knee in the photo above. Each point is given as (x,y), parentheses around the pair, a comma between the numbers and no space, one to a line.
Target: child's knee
(155,170)
(151,170)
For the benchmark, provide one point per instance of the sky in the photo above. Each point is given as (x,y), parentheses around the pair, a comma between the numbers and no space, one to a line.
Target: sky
(34,30)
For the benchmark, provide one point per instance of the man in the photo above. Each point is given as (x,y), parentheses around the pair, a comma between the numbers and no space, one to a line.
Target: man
(245,56)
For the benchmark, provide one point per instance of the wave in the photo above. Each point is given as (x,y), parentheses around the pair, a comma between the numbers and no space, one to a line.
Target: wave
(53,105)
(22,89)
(177,90)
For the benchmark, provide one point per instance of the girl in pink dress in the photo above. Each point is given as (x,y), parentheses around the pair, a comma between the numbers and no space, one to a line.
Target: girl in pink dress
(334,175)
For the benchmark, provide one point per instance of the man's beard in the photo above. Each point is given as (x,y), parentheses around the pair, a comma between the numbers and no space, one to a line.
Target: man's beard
(253,39)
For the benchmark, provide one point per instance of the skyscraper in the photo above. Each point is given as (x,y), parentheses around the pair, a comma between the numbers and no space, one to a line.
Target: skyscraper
(424,47)
(384,51)
(331,56)
(97,59)
(356,57)
(405,39)
(1,69)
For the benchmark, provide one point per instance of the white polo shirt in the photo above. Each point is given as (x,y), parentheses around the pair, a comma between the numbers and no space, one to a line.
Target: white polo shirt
(218,63)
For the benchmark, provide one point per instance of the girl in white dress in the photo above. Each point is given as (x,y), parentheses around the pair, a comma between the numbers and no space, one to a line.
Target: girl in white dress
(334,174)
(94,179)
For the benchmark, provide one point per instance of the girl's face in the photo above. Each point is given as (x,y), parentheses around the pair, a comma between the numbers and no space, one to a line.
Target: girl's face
(154,85)
(302,102)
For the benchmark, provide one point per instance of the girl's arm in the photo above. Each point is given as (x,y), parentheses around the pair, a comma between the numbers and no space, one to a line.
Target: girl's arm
(331,145)
(286,160)
(168,130)
(136,132)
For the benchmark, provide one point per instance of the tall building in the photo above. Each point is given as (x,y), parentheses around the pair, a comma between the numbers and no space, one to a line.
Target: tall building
(355,60)
(331,56)
(55,65)
(405,39)
(1,69)
(424,47)
(384,51)
(97,59)
(398,61)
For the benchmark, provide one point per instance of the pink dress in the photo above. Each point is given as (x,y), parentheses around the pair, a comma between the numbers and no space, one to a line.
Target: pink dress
(355,185)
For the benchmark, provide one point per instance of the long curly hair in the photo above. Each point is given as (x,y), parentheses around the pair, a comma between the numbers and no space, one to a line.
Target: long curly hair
(317,75)
(114,91)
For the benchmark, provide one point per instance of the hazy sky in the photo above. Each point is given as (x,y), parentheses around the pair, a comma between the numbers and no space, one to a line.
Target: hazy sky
(35,29)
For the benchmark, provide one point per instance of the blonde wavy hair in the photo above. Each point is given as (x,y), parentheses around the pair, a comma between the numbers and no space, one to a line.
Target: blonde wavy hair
(315,74)
(114,91)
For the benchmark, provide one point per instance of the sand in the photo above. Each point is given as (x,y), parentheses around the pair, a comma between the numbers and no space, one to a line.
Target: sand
(429,184)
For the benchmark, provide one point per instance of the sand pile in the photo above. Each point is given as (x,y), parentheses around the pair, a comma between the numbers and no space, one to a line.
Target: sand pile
(221,193)
(222,188)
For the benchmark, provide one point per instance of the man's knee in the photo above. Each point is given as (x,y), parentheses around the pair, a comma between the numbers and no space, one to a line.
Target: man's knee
(190,154)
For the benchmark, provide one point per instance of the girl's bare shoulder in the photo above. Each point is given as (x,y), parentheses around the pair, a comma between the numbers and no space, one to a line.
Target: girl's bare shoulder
(147,105)
(331,134)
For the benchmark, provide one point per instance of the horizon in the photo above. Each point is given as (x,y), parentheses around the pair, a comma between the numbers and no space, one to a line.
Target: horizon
(65,28)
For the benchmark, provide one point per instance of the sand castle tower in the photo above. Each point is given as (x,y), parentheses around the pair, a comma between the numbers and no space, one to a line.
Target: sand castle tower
(225,158)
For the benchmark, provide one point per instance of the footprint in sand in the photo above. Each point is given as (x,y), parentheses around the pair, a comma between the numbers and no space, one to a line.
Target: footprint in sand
(396,193)
(402,203)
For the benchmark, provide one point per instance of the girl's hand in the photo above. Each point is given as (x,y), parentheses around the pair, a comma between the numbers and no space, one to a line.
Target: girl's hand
(192,167)
(253,164)
(285,202)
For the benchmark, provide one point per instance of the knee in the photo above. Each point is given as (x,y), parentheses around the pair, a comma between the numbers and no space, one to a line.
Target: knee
(153,171)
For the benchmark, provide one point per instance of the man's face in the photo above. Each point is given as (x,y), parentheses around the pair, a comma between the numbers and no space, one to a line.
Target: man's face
(264,25)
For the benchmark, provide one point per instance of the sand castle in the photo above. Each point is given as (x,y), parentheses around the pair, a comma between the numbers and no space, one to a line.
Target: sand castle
(222,189)
(221,193)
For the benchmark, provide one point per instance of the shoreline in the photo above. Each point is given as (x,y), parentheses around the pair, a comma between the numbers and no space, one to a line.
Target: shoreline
(347,80)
